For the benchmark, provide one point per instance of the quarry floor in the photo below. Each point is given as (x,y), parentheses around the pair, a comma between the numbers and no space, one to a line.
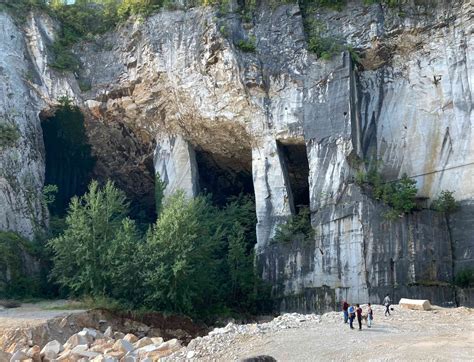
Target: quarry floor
(442,334)
(438,335)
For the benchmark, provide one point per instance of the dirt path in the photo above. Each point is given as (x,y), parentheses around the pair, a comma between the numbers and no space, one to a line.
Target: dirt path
(34,314)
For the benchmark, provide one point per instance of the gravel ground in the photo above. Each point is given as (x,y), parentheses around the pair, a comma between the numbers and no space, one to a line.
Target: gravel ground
(437,335)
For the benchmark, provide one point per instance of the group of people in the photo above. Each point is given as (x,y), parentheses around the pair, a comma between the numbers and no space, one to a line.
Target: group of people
(352,312)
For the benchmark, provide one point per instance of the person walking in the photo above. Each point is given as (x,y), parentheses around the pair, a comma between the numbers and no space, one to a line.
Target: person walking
(351,311)
(387,302)
(370,316)
(345,306)
(359,316)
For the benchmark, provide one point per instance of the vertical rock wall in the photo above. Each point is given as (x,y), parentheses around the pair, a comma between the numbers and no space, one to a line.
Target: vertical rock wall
(180,79)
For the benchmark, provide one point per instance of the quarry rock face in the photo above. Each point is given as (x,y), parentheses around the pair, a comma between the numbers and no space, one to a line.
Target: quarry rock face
(175,94)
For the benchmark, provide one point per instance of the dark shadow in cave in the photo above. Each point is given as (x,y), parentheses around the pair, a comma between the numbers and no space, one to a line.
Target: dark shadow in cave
(296,161)
(69,160)
(223,177)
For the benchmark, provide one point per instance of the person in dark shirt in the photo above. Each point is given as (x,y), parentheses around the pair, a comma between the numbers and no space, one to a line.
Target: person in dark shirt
(345,307)
(359,316)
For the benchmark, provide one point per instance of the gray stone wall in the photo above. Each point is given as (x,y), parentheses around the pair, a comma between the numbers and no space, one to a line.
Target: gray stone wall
(180,77)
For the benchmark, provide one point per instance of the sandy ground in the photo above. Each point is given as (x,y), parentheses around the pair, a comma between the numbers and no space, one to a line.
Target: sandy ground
(34,314)
(437,335)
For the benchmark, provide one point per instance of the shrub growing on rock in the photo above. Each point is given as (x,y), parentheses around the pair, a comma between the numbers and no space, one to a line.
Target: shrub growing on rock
(9,135)
(445,203)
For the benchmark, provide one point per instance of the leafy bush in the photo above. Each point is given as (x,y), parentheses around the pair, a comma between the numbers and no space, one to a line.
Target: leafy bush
(390,3)
(49,194)
(445,203)
(79,21)
(399,194)
(20,8)
(14,281)
(465,278)
(298,226)
(247,45)
(140,7)
(9,135)
(323,46)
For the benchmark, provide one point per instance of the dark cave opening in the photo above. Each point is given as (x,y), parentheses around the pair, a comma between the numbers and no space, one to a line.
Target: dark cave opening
(69,159)
(296,162)
(223,177)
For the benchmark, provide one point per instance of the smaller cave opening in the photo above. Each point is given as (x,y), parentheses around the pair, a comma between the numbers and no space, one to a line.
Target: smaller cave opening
(68,155)
(296,164)
(223,177)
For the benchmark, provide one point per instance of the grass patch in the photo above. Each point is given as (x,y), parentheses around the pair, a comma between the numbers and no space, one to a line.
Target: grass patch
(87,303)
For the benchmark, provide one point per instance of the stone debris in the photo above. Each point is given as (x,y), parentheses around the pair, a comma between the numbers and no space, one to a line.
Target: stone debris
(220,339)
(92,345)
(98,347)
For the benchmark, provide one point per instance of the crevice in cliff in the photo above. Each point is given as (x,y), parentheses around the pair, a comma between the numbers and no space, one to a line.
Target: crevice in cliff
(69,159)
(296,163)
(223,177)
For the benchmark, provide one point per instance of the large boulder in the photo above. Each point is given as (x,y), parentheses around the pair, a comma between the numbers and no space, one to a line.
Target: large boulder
(130,338)
(145,341)
(123,346)
(416,304)
(51,350)
(77,340)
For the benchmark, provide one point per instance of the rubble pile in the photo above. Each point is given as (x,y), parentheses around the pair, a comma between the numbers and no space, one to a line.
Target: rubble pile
(220,339)
(92,345)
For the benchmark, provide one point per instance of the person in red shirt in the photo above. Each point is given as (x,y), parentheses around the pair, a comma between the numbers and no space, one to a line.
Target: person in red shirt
(345,307)
(359,316)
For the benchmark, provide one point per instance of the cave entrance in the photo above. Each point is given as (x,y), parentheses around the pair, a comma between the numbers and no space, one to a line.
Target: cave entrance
(224,177)
(69,160)
(296,163)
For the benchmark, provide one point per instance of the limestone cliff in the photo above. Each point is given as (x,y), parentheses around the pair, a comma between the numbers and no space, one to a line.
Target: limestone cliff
(177,92)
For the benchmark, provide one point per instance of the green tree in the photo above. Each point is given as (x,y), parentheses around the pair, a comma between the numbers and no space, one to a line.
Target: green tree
(180,272)
(96,223)
(401,194)
(240,264)
(124,258)
(160,186)
(446,202)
